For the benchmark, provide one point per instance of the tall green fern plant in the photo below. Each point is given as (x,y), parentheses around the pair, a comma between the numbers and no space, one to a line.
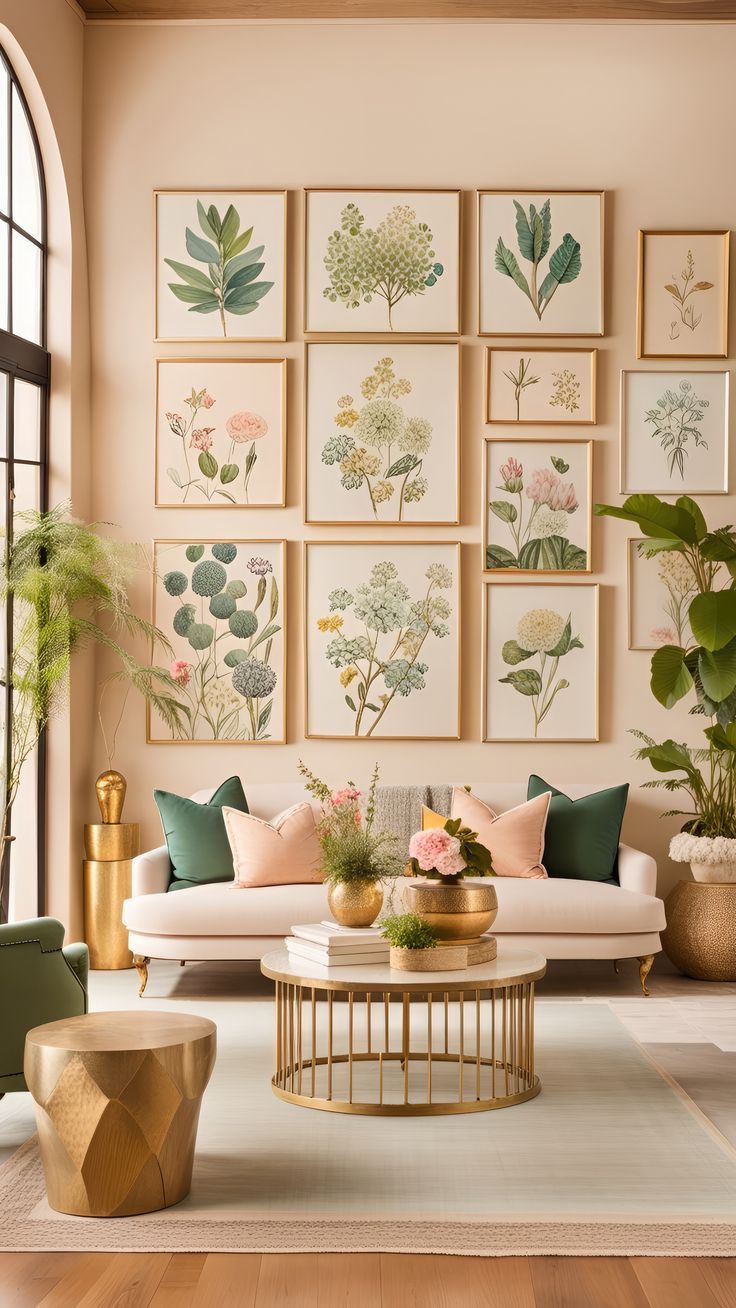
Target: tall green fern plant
(68,587)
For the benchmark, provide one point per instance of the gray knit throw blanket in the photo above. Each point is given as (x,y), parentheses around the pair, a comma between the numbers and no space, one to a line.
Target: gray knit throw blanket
(399,808)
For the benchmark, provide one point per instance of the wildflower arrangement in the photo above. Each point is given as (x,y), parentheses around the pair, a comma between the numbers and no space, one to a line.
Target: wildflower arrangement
(449,853)
(352,851)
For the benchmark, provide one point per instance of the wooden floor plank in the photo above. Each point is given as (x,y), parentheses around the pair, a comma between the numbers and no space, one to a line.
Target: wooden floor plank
(78,1279)
(439,1281)
(720,1274)
(670,1282)
(130,1281)
(227,1280)
(30,1277)
(562,1282)
(349,1281)
(289,1281)
(178,1285)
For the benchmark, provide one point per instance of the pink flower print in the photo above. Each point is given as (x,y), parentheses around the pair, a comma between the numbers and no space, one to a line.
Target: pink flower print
(545,487)
(201,438)
(245,426)
(180,672)
(512,475)
(436,851)
(663,636)
(176,423)
(207,400)
(259,567)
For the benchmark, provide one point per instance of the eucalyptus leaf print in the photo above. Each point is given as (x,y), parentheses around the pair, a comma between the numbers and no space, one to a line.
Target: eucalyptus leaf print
(231,267)
(534,235)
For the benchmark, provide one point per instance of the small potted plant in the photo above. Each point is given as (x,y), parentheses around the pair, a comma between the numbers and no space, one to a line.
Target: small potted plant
(449,854)
(357,861)
(414,947)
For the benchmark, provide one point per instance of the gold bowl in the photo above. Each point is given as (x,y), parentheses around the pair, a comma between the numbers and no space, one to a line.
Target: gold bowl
(459,912)
(355,903)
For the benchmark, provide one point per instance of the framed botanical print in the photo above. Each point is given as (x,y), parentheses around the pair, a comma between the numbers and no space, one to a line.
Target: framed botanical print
(222,605)
(682,303)
(379,262)
(660,591)
(220,265)
(674,432)
(382,434)
(382,640)
(220,433)
(540,662)
(537,505)
(540,387)
(540,263)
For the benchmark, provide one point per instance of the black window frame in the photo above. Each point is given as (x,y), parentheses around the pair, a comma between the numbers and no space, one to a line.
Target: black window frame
(24,360)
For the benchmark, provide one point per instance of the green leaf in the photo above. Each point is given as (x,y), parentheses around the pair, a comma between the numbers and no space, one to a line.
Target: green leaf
(499,557)
(504,510)
(230,227)
(251,458)
(206,306)
(566,642)
(192,276)
(234,657)
(546,216)
(671,679)
(527,681)
(405,464)
(193,295)
(713,618)
(559,465)
(552,554)
(511,652)
(228,472)
(717,669)
(208,464)
(226,495)
(260,593)
(244,276)
(205,223)
(274,604)
(214,220)
(264,717)
(722,737)
(719,546)
(505,262)
(564,266)
(654,517)
(242,261)
(373,707)
(240,244)
(174,475)
(202,251)
(267,633)
(669,757)
(245,298)
(524,234)
(689,506)
(351,703)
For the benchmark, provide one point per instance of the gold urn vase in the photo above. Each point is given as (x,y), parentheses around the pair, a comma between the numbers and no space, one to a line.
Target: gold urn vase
(355,903)
(461,911)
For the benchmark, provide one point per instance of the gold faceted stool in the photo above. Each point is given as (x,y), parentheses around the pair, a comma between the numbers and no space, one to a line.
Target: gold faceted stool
(117,1105)
(701,929)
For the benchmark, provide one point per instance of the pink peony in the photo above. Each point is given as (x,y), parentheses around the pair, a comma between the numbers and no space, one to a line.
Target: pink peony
(246,426)
(207,400)
(201,439)
(512,475)
(545,487)
(348,795)
(180,672)
(436,851)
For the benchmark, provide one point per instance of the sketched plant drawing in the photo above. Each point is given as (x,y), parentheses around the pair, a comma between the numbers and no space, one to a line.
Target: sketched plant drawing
(522,378)
(681,294)
(674,420)
(534,235)
(565,391)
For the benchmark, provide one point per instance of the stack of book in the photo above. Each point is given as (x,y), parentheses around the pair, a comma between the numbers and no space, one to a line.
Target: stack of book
(336,946)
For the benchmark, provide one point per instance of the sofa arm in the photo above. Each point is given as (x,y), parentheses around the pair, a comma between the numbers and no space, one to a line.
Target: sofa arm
(46,930)
(636,871)
(151,872)
(77,957)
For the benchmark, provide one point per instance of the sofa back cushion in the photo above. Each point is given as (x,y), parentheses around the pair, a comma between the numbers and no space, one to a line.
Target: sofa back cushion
(195,834)
(285,851)
(515,838)
(582,836)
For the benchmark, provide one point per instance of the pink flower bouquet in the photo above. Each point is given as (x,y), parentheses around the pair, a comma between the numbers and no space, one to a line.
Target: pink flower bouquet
(449,852)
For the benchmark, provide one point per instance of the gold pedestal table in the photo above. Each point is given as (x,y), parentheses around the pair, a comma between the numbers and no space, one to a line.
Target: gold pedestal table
(109,848)
(117,1107)
(374,1041)
(700,938)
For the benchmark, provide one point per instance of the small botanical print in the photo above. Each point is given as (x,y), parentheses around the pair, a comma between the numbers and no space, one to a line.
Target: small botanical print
(683,295)
(541,263)
(674,432)
(538,505)
(382,642)
(660,591)
(220,432)
(541,386)
(382,261)
(220,265)
(541,662)
(221,605)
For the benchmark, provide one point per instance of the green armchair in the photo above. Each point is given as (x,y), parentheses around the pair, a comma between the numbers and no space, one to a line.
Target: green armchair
(40,981)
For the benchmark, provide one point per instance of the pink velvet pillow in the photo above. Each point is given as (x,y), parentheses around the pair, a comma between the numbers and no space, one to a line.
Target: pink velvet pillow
(283,852)
(515,838)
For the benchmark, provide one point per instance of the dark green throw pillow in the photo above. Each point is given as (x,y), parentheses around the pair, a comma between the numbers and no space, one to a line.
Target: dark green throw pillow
(195,834)
(581,837)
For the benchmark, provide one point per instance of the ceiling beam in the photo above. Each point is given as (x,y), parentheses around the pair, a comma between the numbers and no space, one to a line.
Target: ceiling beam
(583,10)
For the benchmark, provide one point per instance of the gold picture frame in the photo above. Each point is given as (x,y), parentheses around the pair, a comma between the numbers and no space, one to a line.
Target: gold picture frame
(280,503)
(683,373)
(683,637)
(310,346)
(253,543)
(219,190)
(326,334)
(374,545)
(490,421)
(724,235)
(547,193)
(500,587)
(528,443)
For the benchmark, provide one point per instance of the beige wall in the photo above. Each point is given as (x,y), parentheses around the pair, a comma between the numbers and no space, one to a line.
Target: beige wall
(645,112)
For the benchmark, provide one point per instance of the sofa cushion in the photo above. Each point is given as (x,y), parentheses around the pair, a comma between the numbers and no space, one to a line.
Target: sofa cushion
(195,834)
(285,851)
(582,835)
(515,838)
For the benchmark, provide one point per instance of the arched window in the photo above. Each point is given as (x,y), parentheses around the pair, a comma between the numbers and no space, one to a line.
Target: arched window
(24,386)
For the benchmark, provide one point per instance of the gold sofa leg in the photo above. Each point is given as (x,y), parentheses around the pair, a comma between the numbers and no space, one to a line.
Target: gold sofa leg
(645,967)
(141,967)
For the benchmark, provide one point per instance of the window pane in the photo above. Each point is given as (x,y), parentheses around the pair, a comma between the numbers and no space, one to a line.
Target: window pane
(26,189)
(26,289)
(4,133)
(3,414)
(26,420)
(24,849)
(3,275)
(27,488)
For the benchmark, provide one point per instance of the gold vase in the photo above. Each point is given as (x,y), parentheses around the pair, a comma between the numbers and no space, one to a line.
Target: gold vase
(461,912)
(355,903)
(111,787)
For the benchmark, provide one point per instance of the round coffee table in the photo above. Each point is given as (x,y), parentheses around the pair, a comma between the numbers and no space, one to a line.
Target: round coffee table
(374,1041)
(117,1106)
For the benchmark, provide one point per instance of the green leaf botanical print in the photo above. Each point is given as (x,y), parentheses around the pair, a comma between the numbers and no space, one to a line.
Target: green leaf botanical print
(681,294)
(227,688)
(545,636)
(228,283)
(241,428)
(377,447)
(388,262)
(377,633)
(533,234)
(540,535)
(674,419)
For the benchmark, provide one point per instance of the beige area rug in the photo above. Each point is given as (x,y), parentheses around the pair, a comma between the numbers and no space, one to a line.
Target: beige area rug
(611,1158)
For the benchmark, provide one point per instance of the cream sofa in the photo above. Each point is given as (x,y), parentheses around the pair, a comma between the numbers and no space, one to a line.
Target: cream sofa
(556,917)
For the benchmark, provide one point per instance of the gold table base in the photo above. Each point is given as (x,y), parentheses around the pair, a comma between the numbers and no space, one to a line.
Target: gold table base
(108,870)
(491,1046)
